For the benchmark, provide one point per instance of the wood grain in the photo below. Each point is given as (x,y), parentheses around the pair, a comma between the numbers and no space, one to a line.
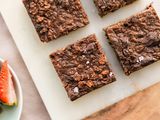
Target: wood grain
(144,105)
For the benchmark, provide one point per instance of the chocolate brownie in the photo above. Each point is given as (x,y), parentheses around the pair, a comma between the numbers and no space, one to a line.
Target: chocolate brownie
(82,67)
(136,40)
(55,18)
(106,6)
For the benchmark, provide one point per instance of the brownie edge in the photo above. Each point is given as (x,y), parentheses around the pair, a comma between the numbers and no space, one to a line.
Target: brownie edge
(55,18)
(136,40)
(82,67)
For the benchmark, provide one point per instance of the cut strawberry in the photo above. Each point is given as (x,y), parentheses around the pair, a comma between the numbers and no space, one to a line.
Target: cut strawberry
(7,92)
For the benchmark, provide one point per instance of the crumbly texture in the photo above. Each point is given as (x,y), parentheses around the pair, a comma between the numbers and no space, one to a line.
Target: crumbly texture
(82,67)
(136,40)
(55,18)
(106,6)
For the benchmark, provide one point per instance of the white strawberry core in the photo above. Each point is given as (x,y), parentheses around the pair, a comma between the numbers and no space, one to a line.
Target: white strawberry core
(11,92)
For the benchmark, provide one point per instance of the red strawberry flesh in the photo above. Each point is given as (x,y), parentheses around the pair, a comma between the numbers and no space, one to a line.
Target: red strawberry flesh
(7,92)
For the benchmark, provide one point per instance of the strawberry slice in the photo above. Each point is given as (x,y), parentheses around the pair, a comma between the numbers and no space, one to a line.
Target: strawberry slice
(7,92)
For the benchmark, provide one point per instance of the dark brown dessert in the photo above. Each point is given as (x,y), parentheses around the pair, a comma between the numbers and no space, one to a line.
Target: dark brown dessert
(136,40)
(55,18)
(82,67)
(106,6)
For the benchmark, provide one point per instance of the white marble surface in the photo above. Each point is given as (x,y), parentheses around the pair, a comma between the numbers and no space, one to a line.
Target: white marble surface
(33,108)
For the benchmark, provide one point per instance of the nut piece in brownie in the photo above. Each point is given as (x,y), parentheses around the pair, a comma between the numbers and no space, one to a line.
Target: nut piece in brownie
(136,40)
(55,18)
(106,6)
(82,67)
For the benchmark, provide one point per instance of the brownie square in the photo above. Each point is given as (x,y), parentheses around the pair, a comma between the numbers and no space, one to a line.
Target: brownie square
(106,6)
(136,40)
(55,18)
(82,67)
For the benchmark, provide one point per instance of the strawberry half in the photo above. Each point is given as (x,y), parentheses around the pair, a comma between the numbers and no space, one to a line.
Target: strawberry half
(7,92)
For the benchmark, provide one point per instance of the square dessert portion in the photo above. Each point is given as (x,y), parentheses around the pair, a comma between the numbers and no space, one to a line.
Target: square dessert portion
(136,40)
(55,18)
(106,6)
(82,67)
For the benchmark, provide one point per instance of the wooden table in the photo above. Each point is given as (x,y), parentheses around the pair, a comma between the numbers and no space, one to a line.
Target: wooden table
(144,105)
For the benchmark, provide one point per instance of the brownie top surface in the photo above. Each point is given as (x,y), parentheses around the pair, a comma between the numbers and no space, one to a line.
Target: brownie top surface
(55,18)
(136,40)
(82,67)
(106,6)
